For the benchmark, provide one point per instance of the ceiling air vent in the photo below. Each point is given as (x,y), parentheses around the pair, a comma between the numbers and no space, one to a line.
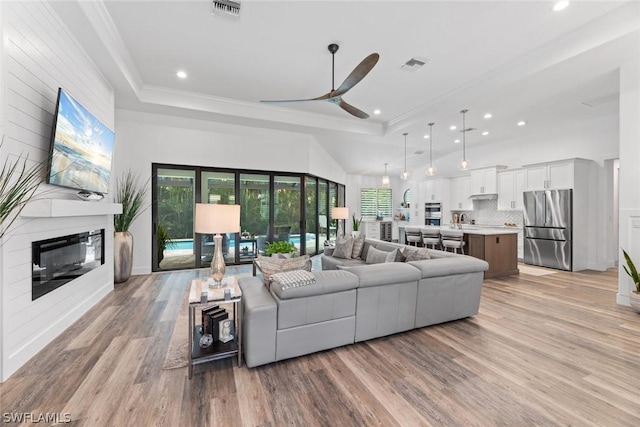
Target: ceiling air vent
(226,9)
(414,64)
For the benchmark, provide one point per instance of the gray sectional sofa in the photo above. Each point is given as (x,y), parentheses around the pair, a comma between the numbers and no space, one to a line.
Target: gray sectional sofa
(357,303)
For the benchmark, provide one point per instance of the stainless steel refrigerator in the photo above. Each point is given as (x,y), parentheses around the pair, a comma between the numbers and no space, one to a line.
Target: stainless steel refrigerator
(547,228)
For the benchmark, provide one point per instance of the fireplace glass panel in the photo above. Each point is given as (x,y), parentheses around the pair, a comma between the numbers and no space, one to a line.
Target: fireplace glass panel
(60,260)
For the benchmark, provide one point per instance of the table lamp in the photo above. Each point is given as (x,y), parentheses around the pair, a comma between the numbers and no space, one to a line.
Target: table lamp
(216,218)
(340,213)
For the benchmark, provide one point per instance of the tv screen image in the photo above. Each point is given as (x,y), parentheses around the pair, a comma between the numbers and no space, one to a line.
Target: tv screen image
(81,148)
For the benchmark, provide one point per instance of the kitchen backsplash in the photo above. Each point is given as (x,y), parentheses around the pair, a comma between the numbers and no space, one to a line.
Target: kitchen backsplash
(486,212)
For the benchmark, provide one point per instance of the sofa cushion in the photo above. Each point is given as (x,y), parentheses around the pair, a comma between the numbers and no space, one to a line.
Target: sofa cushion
(460,264)
(326,282)
(416,254)
(343,248)
(293,279)
(384,274)
(270,266)
(358,244)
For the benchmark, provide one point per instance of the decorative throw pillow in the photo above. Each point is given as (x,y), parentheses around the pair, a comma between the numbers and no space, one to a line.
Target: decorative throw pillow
(344,247)
(365,250)
(394,255)
(416,254)
(358,244)
(376,256)
(270,266)
(293,279)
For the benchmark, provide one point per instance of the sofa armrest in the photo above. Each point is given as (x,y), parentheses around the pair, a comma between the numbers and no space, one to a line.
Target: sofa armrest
(260,314)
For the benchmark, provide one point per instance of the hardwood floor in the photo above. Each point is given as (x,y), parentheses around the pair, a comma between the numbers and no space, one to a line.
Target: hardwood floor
(544,350)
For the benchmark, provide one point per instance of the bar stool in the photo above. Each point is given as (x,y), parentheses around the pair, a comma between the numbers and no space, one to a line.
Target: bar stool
(413,236)
(431,237)
(452,239)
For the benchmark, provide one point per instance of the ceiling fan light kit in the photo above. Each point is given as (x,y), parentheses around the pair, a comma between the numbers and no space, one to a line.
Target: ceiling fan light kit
(335,95)
(405,175)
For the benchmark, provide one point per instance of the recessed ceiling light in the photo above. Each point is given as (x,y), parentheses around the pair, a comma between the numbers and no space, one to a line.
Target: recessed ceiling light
(485,133)
(426,136)
(181,74)
(453,127)
(488,116)
(457,141)
(560,5)
(522,123)
(376,111)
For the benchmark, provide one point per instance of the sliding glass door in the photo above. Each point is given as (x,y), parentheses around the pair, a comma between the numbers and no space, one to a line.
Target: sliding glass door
(311,215)
(254,214)
(217,187)
(287,209)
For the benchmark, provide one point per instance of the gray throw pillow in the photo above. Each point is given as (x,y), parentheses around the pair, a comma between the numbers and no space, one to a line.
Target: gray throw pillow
(358,245)
(344,247)
(416,254)
(376,256)
(365,250)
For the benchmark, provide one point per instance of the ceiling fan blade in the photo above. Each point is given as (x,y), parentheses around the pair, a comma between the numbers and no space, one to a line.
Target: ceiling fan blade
(290,101)
(352,110)
(357,74)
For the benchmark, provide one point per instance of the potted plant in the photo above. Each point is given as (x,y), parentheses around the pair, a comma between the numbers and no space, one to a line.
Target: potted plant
(130,193)
(281,247)
(356,225)
(163,239)
(630,268)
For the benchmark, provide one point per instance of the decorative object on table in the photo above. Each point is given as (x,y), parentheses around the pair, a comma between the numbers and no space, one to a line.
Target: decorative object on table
(226,330)
(206,314)
(129,192)
(431,170)
(355,224)
(217,218)
(630,269)
(246,235)
(206,340)
(405,175)
(18,183)
(214,324)
(385,178)
(340,214)
(162,240)
(464,163)
(335,95)
(281,247)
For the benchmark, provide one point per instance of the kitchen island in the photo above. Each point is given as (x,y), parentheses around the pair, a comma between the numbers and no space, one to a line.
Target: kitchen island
(497,246)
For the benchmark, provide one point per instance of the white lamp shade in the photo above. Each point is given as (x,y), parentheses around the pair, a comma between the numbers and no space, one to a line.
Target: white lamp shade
(340,213)
(215,218)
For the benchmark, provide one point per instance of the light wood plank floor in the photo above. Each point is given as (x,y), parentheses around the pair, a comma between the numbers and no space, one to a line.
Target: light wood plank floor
(544,350)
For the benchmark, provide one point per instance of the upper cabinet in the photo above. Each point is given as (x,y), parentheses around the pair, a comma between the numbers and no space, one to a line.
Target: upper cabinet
(511,185)
(552,176)
(460,192)
(485,181)
(433,190)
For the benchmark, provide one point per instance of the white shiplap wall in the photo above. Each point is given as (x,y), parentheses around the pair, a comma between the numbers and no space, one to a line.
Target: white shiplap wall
(39,55)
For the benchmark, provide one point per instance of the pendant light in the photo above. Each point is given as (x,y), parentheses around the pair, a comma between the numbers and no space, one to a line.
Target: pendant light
(385,177)
(463,165)
(405,175)
(431,171)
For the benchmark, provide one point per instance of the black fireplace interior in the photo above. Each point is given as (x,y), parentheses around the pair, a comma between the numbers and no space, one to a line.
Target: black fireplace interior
(60,260)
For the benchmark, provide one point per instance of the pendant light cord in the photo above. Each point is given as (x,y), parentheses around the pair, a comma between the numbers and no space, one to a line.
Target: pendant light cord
(405,150)
(430,144)
(464,134)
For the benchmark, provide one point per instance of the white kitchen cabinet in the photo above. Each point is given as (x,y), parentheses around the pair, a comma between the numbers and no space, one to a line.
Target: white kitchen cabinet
(460,191)
(372,229)
(511,185)
(485,181)
(552,176)
(433,190)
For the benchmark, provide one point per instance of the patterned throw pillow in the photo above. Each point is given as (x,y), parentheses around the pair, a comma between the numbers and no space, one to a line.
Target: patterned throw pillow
(358,245)
(293,279)
(416,254)
(270,266)
(344,247)
(376,256)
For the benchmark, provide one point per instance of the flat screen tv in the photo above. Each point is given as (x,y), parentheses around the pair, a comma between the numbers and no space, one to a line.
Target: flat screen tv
(81,148)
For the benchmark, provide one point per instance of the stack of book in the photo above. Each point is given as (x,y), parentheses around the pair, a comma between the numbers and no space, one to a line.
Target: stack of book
(216,322)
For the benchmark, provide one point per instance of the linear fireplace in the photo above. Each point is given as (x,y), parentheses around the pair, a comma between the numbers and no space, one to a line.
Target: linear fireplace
(60,260)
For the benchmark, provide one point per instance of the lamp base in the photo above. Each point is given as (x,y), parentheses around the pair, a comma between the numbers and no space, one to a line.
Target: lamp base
(217,263)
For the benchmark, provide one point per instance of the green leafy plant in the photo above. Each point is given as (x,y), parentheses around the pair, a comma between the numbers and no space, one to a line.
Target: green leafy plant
(631,270)
(18,183)
(163,239)
(356,223)
(130,193)
(281,247)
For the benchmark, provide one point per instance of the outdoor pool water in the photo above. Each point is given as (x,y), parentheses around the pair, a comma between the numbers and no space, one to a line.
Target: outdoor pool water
(187,244)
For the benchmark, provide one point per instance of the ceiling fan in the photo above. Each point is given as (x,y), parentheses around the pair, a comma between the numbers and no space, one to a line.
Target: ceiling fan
(335,96)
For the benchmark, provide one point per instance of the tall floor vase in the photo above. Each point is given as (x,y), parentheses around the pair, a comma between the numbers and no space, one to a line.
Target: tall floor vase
(122,256)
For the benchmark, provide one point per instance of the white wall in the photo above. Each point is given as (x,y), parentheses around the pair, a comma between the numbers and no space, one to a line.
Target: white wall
(144,138)
(38,56)
(629,178)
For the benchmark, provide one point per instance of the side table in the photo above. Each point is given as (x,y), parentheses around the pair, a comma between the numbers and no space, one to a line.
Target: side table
(218,350)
